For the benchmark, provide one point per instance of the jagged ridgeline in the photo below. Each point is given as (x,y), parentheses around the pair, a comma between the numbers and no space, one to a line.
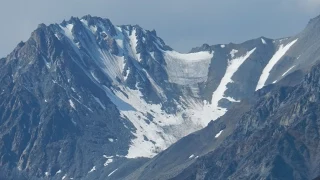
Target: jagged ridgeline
(86,99)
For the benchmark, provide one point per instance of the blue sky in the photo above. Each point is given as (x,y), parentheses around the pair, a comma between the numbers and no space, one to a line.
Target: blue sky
(182,24)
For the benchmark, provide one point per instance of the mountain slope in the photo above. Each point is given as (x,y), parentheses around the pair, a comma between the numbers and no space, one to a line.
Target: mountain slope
(80,97)
(278,138)
(272,135)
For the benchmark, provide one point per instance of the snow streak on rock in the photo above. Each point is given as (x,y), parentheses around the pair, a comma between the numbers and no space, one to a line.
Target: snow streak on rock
(273,61)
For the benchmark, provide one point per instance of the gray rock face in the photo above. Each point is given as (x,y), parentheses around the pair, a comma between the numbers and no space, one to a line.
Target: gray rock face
(47,119)
(81,97)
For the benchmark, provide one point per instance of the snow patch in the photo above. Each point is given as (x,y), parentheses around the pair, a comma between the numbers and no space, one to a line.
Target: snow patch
(133,44)
(263,41)
(233,53)
(190,57)
(65,176)
(59,172)
(112,172)
(109,160)
(120,43)
(192,156)
(127,74)
(219,133)
(140,147)
(288,71)
(68,31)
(107,157)
(72,104)
(222,46)
(111,139)
(93,169)
(94,29)
(57,36)
(120,37)
(273,61)
(94,76)
(187,69)
(85,22)
(151,122)
(231,99)
(48,64)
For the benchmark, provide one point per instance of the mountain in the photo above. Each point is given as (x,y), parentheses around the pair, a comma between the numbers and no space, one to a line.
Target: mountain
(274,134)
(85,99)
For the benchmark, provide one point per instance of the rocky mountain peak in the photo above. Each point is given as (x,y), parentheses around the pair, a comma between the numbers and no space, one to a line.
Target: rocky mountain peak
(86,98)
(314,21)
